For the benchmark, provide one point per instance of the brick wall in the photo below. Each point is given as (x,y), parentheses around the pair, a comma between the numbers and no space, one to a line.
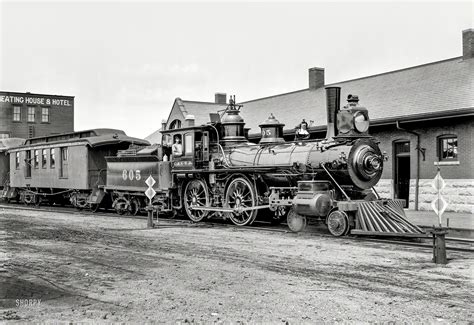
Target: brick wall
(61,117)
(459,191)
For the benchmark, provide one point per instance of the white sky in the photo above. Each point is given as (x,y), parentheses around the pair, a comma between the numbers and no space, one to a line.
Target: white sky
(126,62)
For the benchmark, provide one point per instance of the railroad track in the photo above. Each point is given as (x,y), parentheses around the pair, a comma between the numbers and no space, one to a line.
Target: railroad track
(453,244)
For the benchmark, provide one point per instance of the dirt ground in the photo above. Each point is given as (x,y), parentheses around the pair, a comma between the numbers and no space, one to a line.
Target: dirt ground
(99,268)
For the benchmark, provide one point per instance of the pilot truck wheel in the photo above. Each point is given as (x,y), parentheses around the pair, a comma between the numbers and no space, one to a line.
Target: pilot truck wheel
(296,222)
(338,223)
(241,194)
(196,195)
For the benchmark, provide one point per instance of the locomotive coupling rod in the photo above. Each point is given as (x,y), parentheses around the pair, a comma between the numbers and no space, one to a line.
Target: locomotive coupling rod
(230,210)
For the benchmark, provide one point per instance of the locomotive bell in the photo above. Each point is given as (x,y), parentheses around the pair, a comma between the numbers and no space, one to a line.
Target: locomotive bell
(272,131)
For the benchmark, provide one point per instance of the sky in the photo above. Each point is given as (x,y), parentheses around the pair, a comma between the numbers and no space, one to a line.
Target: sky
(126,62)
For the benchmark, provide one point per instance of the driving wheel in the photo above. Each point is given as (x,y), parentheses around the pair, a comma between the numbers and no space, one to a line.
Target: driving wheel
(241,195)
(196,195)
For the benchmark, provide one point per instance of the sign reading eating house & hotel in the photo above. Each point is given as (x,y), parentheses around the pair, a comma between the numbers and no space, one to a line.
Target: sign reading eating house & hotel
(36,100)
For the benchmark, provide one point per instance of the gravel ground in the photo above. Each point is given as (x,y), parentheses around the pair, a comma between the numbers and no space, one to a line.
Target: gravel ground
(98,268)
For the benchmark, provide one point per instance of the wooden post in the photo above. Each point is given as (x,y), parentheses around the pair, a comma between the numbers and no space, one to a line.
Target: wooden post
(149,209)
(439,245)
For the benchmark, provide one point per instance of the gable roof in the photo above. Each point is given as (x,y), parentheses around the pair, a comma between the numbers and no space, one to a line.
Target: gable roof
(443,87)
(201,110)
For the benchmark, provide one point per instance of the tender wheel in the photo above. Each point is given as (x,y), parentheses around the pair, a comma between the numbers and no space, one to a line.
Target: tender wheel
(241,194)
(296,222)
(121,205)
(134,207)
(196,195)
(338,223)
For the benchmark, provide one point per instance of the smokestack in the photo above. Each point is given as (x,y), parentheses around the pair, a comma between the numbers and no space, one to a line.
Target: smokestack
(220,98)
(333,102)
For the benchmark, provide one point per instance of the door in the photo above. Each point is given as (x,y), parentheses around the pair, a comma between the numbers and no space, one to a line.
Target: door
(28,164)
(402,171)
(63,171)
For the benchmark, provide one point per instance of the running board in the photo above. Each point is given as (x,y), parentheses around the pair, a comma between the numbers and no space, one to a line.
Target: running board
(384,218)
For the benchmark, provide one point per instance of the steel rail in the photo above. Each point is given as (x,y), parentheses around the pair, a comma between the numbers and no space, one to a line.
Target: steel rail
(73,211)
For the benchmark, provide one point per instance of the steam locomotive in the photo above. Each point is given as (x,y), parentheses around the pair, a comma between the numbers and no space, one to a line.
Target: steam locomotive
(212,170)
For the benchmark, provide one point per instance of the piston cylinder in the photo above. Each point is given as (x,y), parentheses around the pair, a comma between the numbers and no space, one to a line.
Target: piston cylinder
(318,205)
(312,198)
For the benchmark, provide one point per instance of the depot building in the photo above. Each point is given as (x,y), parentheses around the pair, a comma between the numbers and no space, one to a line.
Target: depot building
(423,117)
(27,115)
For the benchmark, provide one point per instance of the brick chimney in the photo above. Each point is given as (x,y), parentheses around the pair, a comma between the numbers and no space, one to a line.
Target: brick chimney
(468,44)
(220,98)
(316,78)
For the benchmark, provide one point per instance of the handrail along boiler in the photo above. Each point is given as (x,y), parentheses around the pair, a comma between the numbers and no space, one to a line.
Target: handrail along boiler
(220,173)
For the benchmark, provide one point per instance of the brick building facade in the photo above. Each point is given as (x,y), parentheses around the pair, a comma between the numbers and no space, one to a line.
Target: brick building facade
(26,115)
(423,117)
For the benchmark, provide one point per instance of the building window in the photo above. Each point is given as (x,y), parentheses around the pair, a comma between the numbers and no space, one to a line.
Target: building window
(31,114)
(52,158)
(17,113)
(43,158)
(448,148)
(17,160)
(36,162)
(45,114)
(176,124)
(4,135)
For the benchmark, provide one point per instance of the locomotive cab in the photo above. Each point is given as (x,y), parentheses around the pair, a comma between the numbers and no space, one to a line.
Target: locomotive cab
(190,149)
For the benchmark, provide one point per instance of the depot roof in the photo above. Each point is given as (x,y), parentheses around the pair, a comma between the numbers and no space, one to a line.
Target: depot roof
(437,89)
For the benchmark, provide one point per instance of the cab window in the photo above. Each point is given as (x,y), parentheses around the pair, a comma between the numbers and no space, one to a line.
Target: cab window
(188,144)
(177,147)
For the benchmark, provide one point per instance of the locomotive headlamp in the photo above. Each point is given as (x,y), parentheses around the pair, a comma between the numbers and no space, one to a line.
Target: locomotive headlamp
(361,122)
